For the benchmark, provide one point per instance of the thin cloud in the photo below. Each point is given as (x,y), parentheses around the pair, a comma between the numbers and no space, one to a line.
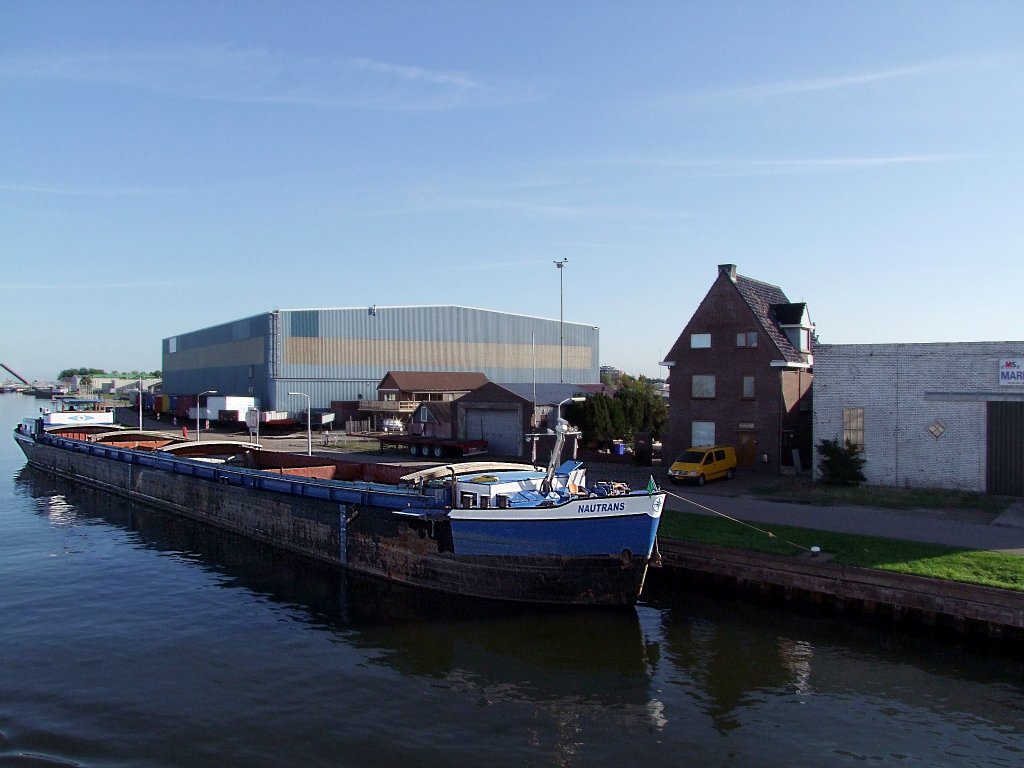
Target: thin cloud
(838,82)
(37,189)
(550,210)
(106,285)
(791,167)
(259,76)
(494,266)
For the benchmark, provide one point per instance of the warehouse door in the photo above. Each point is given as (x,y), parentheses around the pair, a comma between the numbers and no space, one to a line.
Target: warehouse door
(1005,448)
(501,429)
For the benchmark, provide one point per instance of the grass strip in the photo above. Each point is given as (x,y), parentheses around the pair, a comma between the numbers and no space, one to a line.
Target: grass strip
(936,561)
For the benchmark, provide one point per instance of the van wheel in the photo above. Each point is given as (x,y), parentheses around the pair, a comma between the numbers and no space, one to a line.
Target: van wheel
(728,475)
(700,479)
(413,449)
(438,451)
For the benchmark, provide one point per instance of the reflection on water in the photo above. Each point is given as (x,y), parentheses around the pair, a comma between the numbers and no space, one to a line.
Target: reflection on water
(181,644)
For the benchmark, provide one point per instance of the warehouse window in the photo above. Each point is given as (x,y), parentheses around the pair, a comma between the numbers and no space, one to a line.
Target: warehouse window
(853,427)
(703,386)
(748,339)
(700,341)
(748,387)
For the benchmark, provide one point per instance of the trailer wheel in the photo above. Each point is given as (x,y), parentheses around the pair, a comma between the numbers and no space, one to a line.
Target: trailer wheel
(413,449)
(438,451)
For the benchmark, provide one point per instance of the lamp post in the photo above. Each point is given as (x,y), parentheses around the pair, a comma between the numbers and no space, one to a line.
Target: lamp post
(309,427)
(140,402)
(561,320)
(207,392)
(561,429)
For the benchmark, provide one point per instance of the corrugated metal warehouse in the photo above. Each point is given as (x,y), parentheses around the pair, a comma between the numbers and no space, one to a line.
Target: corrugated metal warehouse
(342,354)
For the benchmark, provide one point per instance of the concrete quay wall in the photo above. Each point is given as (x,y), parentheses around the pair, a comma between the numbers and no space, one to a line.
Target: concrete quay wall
(962,608)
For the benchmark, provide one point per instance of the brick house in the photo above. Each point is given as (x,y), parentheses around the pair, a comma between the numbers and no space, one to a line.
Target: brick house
(400,394)
(740,374)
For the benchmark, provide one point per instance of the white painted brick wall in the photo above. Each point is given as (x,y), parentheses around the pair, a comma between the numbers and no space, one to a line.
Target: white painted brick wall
(891,381)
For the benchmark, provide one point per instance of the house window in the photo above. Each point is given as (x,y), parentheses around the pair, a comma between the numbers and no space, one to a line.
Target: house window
(700,341)
(853,427)
(748,387)
(702,433)
(748,339)
(703,386)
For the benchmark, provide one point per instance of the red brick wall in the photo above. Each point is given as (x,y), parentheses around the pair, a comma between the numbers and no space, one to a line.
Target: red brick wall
(723,313)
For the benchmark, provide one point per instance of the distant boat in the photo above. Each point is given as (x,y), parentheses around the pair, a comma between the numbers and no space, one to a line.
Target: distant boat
(77,411)
(46,392)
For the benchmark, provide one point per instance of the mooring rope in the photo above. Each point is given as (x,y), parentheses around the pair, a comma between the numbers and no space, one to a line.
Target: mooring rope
(769,534)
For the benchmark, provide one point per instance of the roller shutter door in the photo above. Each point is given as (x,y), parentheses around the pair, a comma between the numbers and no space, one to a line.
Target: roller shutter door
(500,428)
(1005,448)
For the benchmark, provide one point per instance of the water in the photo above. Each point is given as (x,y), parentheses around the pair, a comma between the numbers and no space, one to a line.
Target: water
(128,638)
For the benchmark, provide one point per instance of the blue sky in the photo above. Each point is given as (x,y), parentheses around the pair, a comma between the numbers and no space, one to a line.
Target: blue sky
(165,167)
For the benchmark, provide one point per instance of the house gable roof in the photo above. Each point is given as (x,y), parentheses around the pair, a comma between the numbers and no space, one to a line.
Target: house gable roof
(762,299)
(547,394)
(433,381)
(440,410)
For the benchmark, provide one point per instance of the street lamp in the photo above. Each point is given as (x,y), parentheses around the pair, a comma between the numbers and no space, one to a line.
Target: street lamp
(561,319)
(561,429)
(207,392)
(309,427)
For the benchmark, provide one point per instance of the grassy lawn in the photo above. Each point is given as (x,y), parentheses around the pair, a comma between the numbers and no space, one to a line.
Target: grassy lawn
(991,569)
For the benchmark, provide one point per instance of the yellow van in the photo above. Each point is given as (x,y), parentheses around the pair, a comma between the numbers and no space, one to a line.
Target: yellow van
(703,462)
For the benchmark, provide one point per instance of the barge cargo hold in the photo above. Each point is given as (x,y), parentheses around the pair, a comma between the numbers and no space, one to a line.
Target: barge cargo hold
(495,531)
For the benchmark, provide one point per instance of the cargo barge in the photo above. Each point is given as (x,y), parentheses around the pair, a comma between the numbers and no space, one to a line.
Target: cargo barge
(511,532)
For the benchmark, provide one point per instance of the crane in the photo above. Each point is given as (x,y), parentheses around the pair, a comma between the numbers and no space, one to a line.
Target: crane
(16,375)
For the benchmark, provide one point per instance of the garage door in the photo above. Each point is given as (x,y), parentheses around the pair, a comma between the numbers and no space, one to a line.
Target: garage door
(1006,448)
(501,430)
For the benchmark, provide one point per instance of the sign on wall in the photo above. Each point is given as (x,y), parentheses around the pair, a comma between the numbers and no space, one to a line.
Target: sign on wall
(1011,371)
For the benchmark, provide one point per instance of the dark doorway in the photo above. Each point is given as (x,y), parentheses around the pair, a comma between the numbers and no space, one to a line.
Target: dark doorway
(1005,448)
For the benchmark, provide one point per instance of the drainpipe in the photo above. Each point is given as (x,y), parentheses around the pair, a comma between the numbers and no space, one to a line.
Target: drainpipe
(782,411)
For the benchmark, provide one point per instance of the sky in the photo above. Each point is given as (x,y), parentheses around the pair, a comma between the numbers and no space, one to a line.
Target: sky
(165,167)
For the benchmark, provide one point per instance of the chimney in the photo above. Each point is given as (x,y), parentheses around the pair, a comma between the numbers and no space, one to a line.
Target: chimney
(728,269)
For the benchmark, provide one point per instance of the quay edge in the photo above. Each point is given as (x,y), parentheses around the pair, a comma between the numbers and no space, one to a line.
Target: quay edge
(965,609)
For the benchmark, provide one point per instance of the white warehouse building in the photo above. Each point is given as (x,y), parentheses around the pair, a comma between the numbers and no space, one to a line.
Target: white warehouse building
(945,415)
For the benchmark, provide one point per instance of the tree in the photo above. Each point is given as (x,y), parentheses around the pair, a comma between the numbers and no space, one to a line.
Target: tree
(840,464)
(643,407)
(599,418)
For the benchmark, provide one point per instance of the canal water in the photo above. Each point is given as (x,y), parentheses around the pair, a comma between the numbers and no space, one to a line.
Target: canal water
(131,638)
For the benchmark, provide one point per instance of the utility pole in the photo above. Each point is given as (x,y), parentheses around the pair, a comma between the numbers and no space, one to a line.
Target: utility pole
(561,321)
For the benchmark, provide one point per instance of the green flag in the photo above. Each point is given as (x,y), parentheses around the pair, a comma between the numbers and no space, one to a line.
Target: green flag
(651,485)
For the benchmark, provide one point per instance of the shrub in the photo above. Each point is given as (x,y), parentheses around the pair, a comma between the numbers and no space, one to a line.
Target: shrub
(840,464)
